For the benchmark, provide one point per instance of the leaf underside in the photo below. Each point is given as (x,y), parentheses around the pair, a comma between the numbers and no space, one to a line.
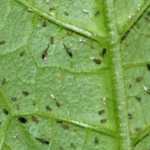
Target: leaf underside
(74,75)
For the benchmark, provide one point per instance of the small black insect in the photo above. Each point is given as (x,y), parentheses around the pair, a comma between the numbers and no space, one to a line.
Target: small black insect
(97,13)
(101,111)
(66,13)
(14,98)
(138,98)
(97,61)
(57,104)
(68,50)
(125,35)
(73,145)
(2,42)
(22,119)
(96,140)
(3,81)
(25,93)
(48,108)
(103,120)
(103,51)
(52,40)
(42,140)
(45,52)
(130,115)
(5,111)
(22,53)
(148,66)
(59,121)
(44,23)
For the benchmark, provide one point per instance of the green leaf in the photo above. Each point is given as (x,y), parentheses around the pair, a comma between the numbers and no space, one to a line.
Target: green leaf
(74,75)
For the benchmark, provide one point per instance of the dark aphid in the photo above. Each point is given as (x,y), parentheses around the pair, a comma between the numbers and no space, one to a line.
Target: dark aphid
(44,23)
(53,8)
(68,51)
(59,121)
(22,119)
(138,128)
(130,86)
(101,111)
(139,79)
(22,53)
(130,115)
(35,119)
(14,98)
(57,104)
(148,13)
(48,108)
(17,106)
(73,145)
(103,120)
(97,61)
(2,42)
(65,126)
(52,40)
(148,66)
(25,93)
(138,98)
(61,148)
(97,13)
(45,52)
(103,51)
(42,140)
(5,111)
(66,13)
(96,140)
(3,81)
(125,35)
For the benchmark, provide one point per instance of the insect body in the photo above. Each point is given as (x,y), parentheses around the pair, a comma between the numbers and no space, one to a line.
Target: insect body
(68,50)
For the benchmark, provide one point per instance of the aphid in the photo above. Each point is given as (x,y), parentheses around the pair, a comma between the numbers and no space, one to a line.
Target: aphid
(48,108)
(42,140)
(5,111)
(138,128)
(147,19)
(68,50)
(138,8)
(103,120)
(91,45)
(73,145)
(35,119)
(97,13)
(22,119)
(74,129)
(85,11)
(71,64)
(57,104)
(96,140)
(146,89)
(86,55)
(17,106)
(14,98)
(3,81)
(66,13)
(139,79)
(130,115)
(52,96)
(2,42)
(34,102)
(44,23)
(61,148)
(148,66)
(104,101)
(29,10)
(130,86)
(16,135)
(130,16)
(125,35)
(25,93)
(65,126)
(44,54)
(97,61)
(69,33)
(52,40)
(138,98)
(22,53)
(82,40)
(59,121)
(53,8)
(101,111)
